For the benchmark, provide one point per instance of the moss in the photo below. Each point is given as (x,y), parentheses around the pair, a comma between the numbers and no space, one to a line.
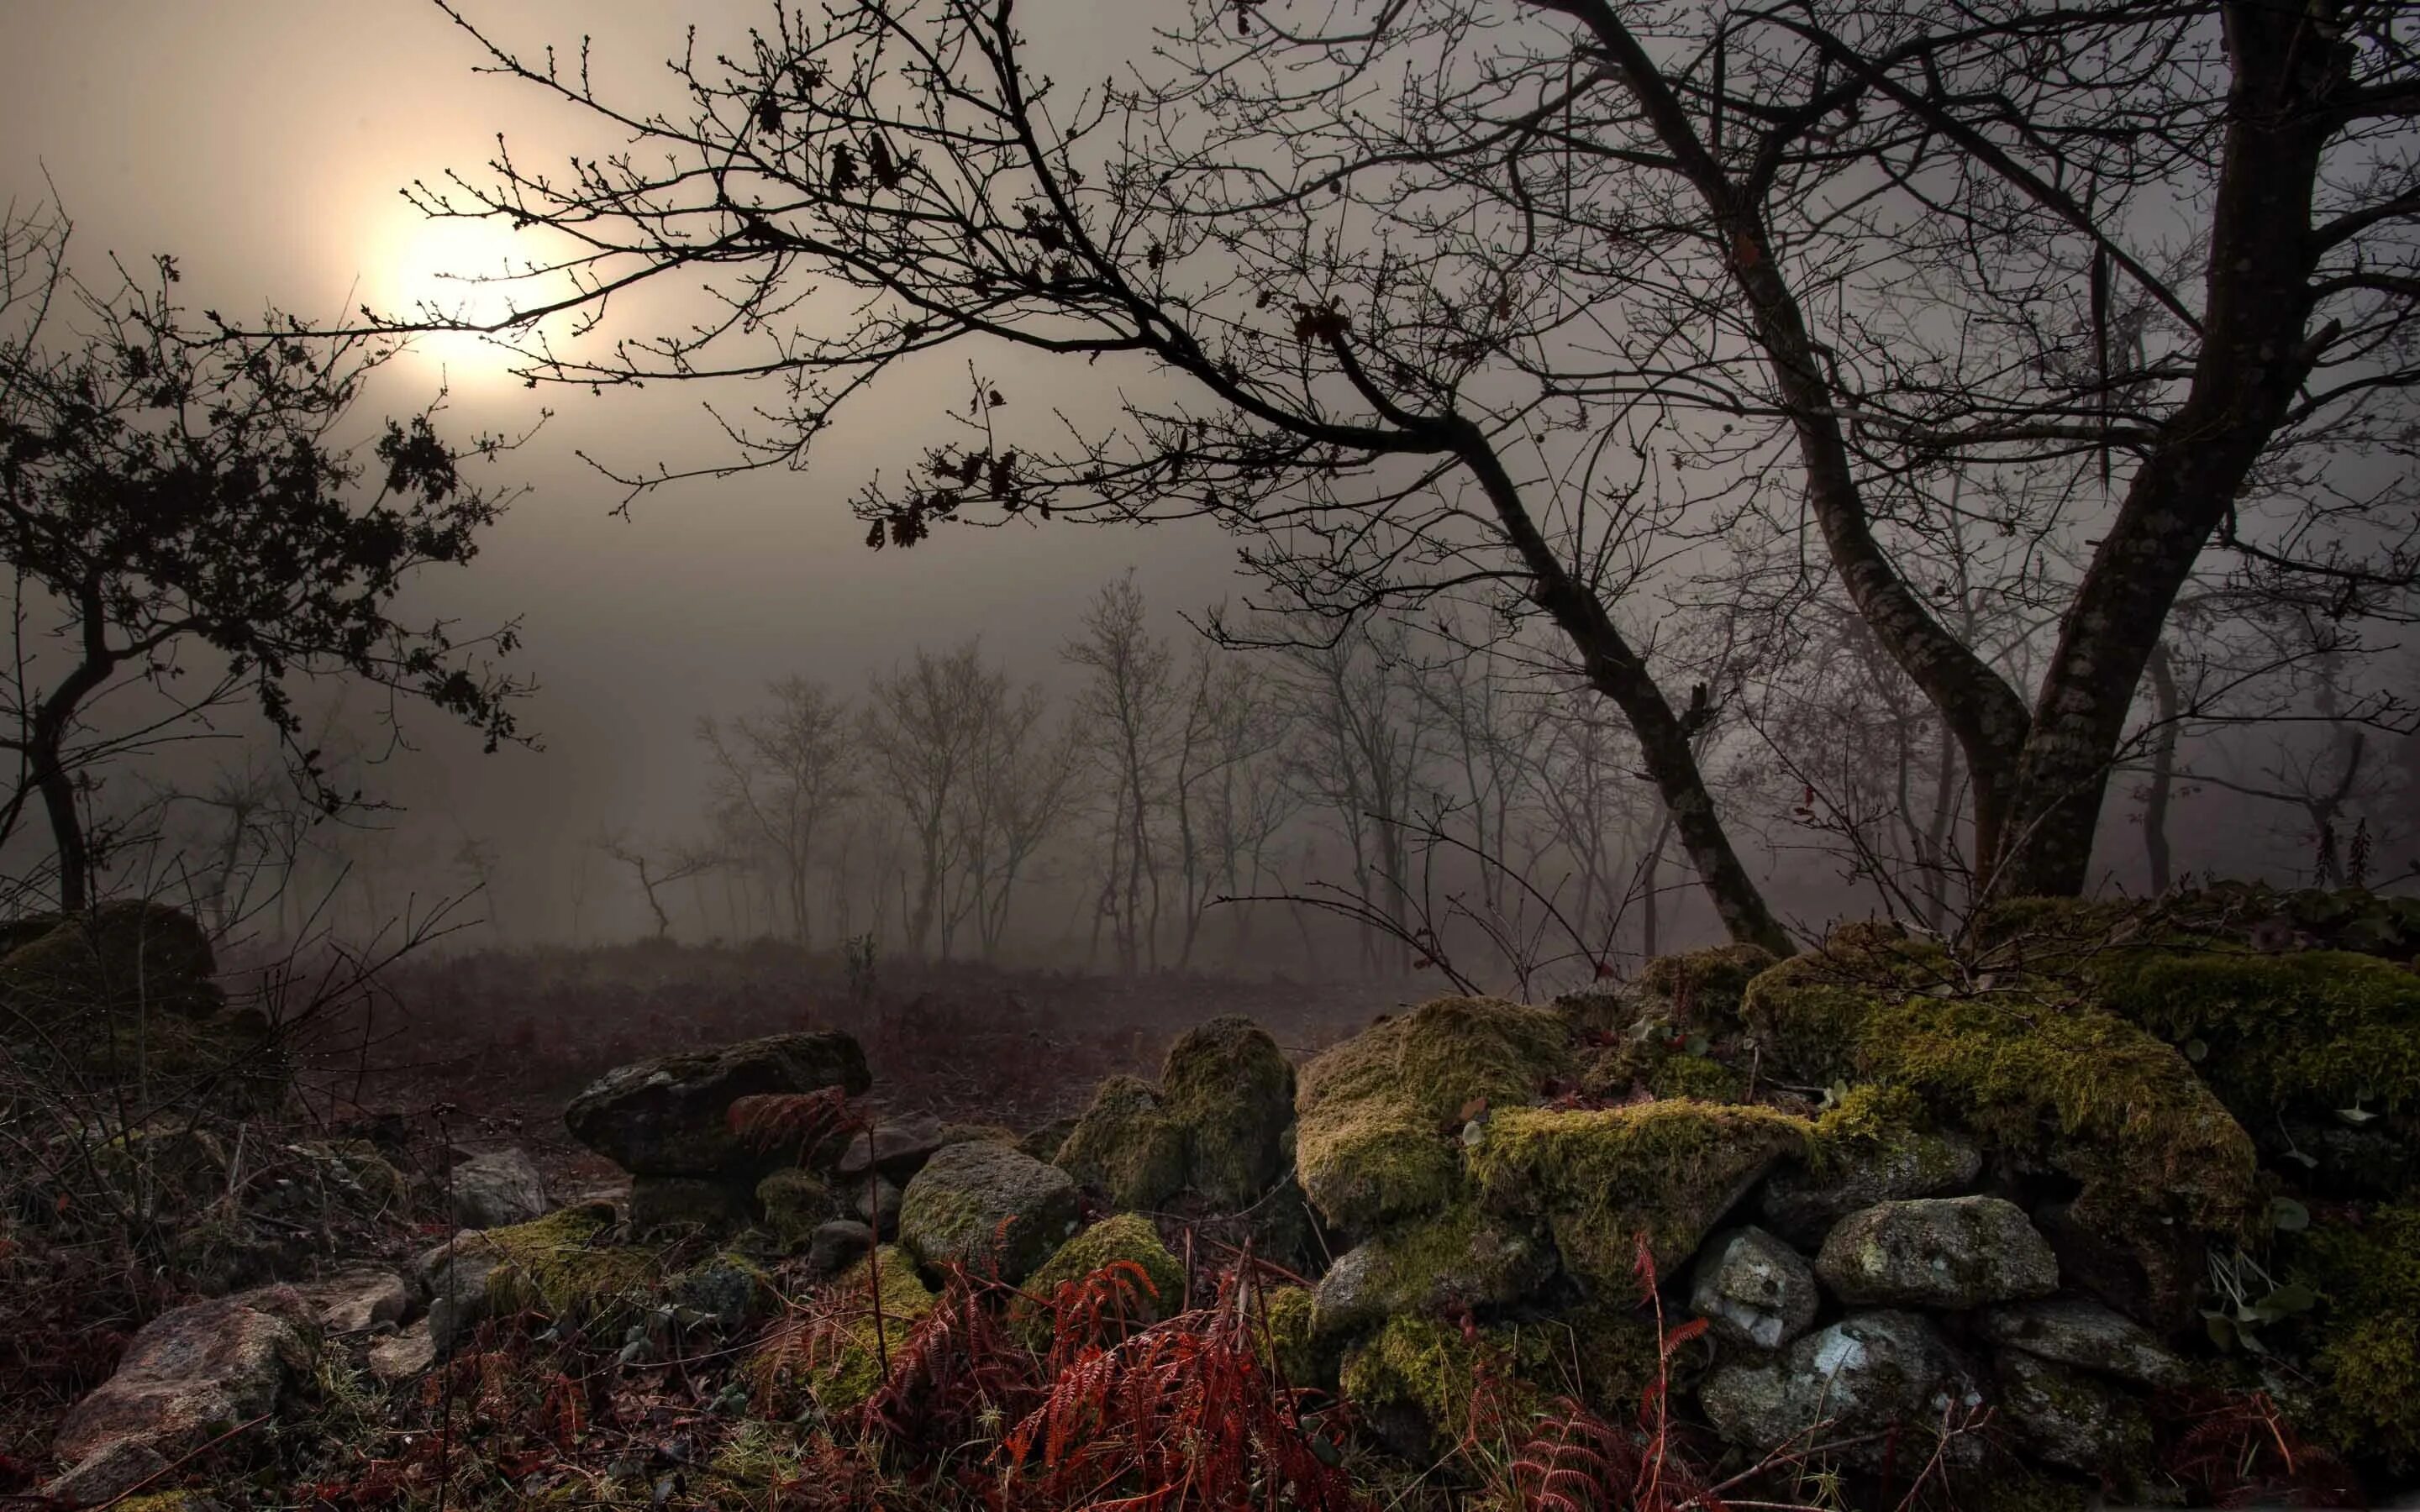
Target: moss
(1697,1076)
(1043,1143)
(1232,1089)
(1126,1146)
(1705,986)
(1376,1113)
(967,1133)
(2312,1030)
(1666,1169)
(557,1263)
(853,1370)
(797,1202)
(1127,1237)
(1456,1260)
(729,1288)
(1287,1343)
(2023,1065)
(1600,1356)
(2369,1354)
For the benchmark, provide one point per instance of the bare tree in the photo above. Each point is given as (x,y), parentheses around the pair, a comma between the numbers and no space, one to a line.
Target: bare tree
(1129,711)
(658,871)
(1019,787)
(780,776)
(172,503)
(922,731)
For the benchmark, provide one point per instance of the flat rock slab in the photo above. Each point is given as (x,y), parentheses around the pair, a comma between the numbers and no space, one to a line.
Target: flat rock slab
(670,1115)
(403,1356)
(2074,1331)
(898,1150)
(1937,1252)
(192,1373)
(356,1300)
(495,1190)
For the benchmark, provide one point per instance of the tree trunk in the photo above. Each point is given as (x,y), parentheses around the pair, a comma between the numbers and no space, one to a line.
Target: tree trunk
(2255,354)
(2164,769)
(1616,671)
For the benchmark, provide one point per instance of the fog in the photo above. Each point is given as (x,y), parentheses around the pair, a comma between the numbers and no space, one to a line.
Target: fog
(263,142)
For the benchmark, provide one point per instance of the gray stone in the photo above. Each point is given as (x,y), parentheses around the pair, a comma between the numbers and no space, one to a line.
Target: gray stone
(1869,1373)
(355,1301)
(1472,1261)
(1753,1289)
(455,1277)
(2071,1418)
(108,1473)
(879,1206)
(710,1204)
(2075,1331)
(670,1115)
(990,1207)
(1937,1252)
(898,1150)
(1800,1205)
(837,1245)
(495,1190)
(403,1356)
(192,1373)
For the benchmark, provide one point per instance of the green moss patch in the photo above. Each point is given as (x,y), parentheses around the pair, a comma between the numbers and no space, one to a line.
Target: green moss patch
(1377,1113)
(560,1264)
(1126,1238)
(1126,1146)
(846,1370)
(2028,1068)
(1230,1089)
(1667,1169)
(2368,1354)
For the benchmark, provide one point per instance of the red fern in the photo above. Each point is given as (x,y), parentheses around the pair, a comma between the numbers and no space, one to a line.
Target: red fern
(2237,1447)
(772,1122)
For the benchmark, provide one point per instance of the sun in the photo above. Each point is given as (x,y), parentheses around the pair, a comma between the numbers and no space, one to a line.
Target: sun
(473,271)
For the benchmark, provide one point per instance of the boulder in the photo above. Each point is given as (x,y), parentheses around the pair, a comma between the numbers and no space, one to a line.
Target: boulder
(1042,1141)
(1148,1279)
(355,1301)
(1800,1203)
(898,1149)
(1869,1373)
(1126,1146)
(562,1265)
(729,1290)
(1937,1252)
(834,1246)
(190,1375)
(2071,1418)
(1378,1114)
(990,1207)
(494,1190)
(879,1206)
(2075,1331)
(1753,1290)
(708,1204)
(796,1202)
(402,1356)
(120,957)
(1463,1259)
(1669,1169)
(1231,1089)
(108,1473)
(670,1115)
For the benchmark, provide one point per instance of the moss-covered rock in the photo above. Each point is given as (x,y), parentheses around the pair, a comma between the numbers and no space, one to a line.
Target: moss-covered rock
(1126,1146)
(1378,1113)
(1461,1259)
(2030,1068)
(1289,1343)
(1507,1372)
(2368,1350)
(1043,1141)
(2310,1031)
(795,1203)
(565,1263)
(1231,1089)
(1156,1281)
(846,1366)
(690,1204)
(1602,1178)
(120,958)
(1704,987)
(989,1208)
(728,1288)
(1871,1146)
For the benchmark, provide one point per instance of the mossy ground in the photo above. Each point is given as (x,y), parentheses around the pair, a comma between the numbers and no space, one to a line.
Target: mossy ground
(2369,1354)
(561,1263)
(1667,1169)
(1374,1140)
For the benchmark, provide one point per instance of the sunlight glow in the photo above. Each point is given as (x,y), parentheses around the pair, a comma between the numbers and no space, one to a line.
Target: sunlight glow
(458,270)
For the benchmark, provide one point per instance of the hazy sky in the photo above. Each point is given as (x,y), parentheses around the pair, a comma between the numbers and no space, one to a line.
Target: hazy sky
(263,142)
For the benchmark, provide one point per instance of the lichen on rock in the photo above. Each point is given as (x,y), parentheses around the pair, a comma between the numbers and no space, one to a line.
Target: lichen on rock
(1667,1169)
(990,1207)
(1126,1145)
(1377,1112)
